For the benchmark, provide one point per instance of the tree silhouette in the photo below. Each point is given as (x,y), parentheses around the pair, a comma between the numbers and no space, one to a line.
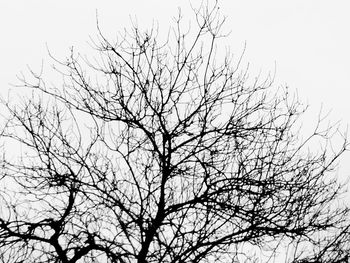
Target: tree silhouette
(163,152)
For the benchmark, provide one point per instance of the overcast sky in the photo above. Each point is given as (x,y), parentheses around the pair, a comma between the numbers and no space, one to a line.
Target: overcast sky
(306,41)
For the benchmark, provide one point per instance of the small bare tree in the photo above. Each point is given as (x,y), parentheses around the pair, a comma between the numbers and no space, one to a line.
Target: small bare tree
(165,153)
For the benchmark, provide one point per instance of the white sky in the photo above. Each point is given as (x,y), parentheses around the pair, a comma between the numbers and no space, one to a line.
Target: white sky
(309,40)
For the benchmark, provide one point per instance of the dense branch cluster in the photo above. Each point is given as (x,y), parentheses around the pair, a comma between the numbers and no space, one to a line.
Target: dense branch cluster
(164,153)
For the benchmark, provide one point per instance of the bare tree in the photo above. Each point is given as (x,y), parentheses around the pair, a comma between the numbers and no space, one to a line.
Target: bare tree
(163,152)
